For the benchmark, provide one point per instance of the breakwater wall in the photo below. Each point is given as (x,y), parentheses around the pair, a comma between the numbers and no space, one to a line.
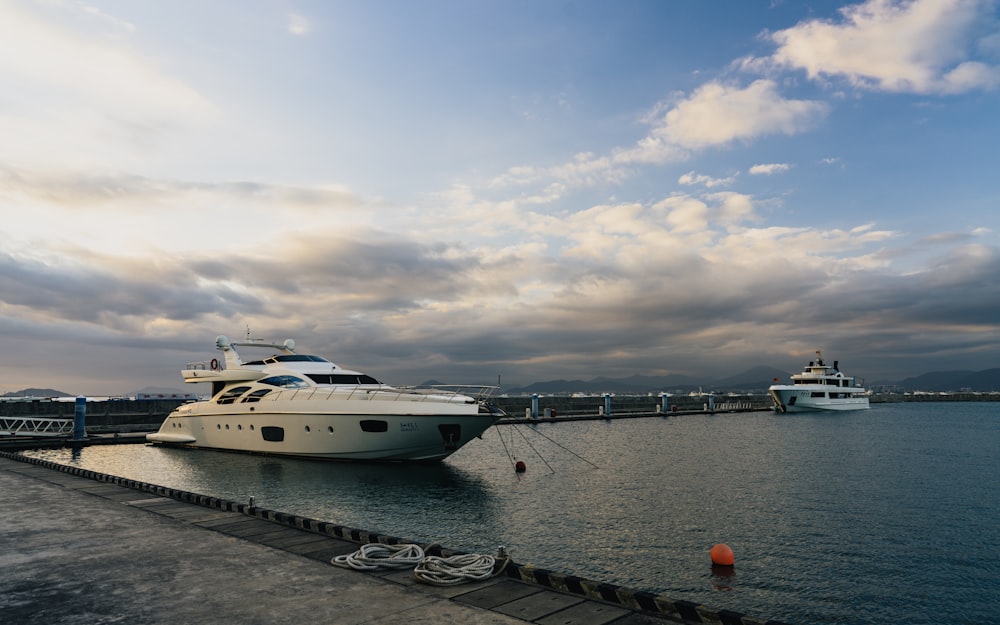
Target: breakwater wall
(556,406)
(105,414)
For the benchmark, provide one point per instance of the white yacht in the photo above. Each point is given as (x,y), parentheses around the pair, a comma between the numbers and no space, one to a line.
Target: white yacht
(819,387)
(301,405)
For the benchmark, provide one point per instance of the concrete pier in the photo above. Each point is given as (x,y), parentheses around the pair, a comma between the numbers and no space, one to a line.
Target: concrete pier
(84,547)
(77,551)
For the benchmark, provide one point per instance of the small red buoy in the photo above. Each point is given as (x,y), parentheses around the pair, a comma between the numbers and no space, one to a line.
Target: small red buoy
(722,555)
(520,467)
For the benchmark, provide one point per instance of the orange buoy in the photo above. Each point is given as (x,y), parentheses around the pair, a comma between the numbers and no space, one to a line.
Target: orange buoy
(722,555)
(520,467)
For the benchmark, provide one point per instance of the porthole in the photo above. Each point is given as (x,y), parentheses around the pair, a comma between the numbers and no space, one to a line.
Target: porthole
(218,426)
(329,429)
(240,427)
(251,427)
(307,429)
(227,426)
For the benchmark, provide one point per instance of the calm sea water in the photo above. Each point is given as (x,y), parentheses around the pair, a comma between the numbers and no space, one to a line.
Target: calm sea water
(890,515)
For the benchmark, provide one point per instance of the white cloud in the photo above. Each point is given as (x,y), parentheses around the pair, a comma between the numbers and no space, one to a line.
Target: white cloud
(84,204)
(117,22)
(708,182)
(69,94)
(717,114)
(768,169)
(92,69)
(917,46)
(298,25)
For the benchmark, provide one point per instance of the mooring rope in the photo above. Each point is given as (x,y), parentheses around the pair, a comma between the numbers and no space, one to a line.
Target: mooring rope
(510,456)
(375,556)
(525,438)
(556,443)
(457,569)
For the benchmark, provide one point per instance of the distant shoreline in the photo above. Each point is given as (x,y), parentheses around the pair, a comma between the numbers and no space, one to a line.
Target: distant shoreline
(885,398)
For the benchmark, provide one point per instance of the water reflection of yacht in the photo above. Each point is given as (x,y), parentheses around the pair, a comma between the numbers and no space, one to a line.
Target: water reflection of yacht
(302,405)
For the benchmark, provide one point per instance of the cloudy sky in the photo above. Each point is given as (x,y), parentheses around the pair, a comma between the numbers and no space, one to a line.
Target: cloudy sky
(465,190)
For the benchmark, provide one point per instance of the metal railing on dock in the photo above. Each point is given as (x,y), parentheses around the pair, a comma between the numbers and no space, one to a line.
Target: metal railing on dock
(569,408)
(35,426)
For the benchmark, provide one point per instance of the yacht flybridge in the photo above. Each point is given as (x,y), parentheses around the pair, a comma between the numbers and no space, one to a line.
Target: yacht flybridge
(302,405)
(819,387)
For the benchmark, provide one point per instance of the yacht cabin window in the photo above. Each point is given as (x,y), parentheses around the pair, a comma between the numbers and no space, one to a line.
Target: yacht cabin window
(228,397)
(255,396)
(342,378)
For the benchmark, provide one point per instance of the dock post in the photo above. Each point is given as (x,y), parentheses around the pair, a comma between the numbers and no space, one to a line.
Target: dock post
(711,403)
(80,419)
(664,403)
(607,404)
(534,405)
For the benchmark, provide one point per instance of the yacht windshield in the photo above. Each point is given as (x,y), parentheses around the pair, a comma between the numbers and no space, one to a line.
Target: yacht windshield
(285,381)
(288,358)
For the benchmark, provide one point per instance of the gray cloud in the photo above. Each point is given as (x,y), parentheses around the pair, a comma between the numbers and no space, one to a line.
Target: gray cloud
(395,307)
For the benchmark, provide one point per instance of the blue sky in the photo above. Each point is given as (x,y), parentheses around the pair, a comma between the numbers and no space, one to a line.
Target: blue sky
(466,190)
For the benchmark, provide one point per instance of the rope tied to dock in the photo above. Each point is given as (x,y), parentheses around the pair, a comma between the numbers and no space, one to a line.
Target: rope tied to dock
(457,569)
(376,556)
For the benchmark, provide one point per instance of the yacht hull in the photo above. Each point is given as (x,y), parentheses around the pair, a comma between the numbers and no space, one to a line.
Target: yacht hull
(796,399)
(354,436)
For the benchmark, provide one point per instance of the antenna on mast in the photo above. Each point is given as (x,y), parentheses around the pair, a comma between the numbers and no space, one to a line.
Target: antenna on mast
(250,339)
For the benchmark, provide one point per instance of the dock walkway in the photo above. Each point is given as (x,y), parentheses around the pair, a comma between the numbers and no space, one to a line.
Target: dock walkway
(74,550)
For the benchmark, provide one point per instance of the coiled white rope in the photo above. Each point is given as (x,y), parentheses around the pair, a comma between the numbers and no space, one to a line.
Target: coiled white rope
(455,570)
(427,569)
(378,556)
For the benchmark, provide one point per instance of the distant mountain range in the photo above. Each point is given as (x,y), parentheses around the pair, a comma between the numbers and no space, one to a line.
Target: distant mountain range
(36,392)
(753,380)
(942,381)
(51,392)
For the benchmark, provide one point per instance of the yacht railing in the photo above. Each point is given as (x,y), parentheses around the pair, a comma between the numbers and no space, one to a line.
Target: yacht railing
(446,393)
(479,392)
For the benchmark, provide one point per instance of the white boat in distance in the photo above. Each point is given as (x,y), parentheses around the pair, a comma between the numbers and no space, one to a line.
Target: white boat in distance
(301,405)
(819,387)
